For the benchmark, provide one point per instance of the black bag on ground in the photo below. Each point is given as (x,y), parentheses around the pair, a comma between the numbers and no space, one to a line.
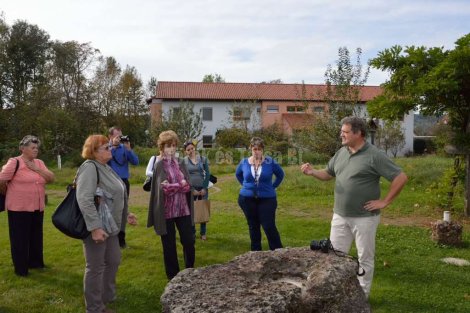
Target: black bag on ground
(67,216)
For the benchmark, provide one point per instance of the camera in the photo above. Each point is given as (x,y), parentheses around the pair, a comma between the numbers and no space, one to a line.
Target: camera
(323,245)
(125,138)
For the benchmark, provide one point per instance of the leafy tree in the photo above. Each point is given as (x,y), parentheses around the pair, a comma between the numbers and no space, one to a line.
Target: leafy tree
(390,137)
(343,85)
(232,138)
(433,80)
(150,88)
(105,83)
(213,78)
(186,123)
(27,51)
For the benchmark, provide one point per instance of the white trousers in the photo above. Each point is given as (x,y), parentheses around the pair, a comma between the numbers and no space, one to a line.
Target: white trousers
(362,230)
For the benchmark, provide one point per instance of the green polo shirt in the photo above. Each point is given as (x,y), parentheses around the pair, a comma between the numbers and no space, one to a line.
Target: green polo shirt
(358,178)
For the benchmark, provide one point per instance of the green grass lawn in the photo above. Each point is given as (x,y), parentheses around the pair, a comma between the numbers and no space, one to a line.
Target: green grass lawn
(409,275)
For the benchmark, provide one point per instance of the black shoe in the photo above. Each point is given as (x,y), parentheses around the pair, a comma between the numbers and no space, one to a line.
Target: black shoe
(22,274)
(122,239)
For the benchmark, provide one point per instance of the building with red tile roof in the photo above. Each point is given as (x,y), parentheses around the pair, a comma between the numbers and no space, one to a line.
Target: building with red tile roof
(257,105)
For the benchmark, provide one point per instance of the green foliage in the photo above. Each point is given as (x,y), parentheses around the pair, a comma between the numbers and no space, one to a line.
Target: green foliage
(64,91)
(344,83)
(232,138)
(390,137)
(322,137)
(186,123)
(213,78)
(431,79)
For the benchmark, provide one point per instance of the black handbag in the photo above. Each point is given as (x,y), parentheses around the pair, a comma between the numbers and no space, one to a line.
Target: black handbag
(212,178)
(3,196)
(147,184)
(67,216)
(148,180)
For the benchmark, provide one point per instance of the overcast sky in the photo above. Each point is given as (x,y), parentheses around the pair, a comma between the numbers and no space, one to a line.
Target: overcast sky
(243,40)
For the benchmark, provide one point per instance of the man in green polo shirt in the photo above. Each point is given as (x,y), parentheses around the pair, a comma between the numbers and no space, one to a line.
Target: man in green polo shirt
(357,168)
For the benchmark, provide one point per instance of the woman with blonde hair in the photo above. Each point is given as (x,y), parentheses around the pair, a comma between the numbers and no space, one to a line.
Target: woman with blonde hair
(171,205)
(101,248)
(26,177)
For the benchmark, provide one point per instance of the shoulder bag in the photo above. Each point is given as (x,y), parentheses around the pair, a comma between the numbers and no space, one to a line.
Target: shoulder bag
(3,191)
(148,180)
(67,216)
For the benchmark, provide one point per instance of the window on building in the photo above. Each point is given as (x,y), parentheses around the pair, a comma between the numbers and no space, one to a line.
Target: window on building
(175,110)
(295,109)
(241,115)
(207,114)
(207,141)
(318,110)
(272,109)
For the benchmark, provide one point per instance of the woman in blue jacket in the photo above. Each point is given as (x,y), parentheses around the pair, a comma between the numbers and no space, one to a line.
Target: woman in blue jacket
(257,196)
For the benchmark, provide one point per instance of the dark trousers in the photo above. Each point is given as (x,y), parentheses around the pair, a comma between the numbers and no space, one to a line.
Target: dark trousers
(261,212)
(122,233)
(26,240)
(170,256)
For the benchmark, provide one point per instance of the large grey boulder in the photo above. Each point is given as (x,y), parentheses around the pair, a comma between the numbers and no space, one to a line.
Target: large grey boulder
(295,280)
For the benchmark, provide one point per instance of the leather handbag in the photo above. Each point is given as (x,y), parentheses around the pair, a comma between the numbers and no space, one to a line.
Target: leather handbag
(148,180)
(147,184)
(202,211)
(212,178)
(3,189)
(67,216)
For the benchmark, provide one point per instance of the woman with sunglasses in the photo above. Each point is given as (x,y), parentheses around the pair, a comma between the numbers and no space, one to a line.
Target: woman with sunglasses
(26,177)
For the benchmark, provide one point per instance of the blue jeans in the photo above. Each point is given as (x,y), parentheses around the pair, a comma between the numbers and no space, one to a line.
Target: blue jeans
(261,212)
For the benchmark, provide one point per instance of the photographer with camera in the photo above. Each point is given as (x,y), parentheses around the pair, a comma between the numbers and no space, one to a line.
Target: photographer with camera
(122,155)
(357,168)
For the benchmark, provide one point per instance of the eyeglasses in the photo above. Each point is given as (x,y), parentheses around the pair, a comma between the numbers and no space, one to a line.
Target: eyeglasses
(107,147)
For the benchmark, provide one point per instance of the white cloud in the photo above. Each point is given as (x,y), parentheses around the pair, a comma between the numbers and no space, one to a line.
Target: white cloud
(243,40)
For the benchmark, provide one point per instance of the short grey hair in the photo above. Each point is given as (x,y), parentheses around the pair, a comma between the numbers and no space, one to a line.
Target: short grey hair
(29,139)
(357,124)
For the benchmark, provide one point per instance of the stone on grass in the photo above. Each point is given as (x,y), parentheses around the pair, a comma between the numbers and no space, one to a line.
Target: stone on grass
(285,280)
(447,233)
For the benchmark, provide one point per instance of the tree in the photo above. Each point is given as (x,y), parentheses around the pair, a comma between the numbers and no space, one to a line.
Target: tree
(390,137)
(343,86)
(213,78)
(433,80)
(186,123)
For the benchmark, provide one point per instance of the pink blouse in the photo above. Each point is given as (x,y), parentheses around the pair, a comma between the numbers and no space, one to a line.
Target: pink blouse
(176,204)
(26,191)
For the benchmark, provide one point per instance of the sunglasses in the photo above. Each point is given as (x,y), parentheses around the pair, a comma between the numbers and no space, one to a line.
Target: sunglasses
(107,147)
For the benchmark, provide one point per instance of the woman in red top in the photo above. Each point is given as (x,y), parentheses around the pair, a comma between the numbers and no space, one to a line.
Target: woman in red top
(25,204)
